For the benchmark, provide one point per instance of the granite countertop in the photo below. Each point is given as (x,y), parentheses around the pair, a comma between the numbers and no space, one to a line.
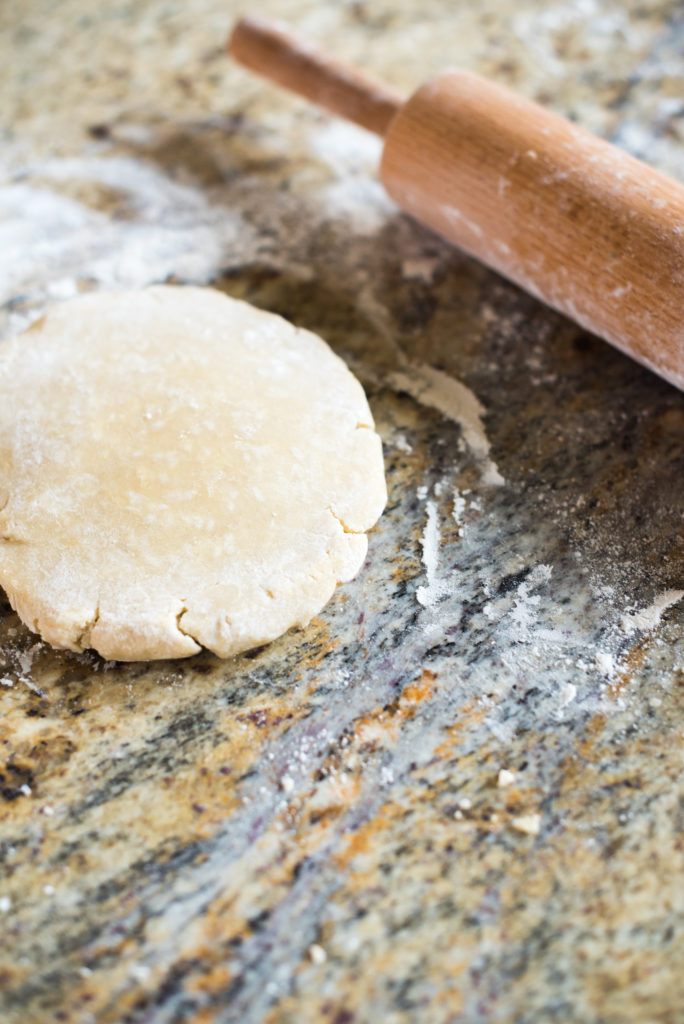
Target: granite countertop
(457,795)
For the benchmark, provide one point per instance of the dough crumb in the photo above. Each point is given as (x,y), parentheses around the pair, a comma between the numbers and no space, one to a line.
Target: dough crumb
(317,954)
(528,823)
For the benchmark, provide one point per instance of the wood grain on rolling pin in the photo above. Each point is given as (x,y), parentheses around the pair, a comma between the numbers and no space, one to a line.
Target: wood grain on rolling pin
(577,222)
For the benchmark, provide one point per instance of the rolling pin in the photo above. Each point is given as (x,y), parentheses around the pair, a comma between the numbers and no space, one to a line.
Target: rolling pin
(576,222)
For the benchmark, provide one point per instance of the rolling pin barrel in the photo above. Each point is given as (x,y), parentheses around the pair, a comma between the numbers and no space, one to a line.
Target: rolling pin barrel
(576,222)
(588,229)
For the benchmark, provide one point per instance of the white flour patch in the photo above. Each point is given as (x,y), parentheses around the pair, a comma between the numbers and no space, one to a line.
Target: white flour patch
(522,627)
(360,204)
(437,390)
(458,510)
(54,244)
(648,618)
(430,594)
(47,240)
(605,663)
(523,621)
(346,149)
(567,694)
(22,664)
(119,221)
(520,611)
(355,196)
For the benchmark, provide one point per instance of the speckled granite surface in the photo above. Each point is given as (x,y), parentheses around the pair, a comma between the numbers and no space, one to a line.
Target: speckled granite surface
(457,795)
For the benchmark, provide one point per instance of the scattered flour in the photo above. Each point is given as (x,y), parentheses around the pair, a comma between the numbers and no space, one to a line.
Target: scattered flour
(20,663)
(174,230)
(345,148)
(605,663)
(648,618)
(459,507)
(437,390)
(522,610)
(430,594)
(53,243)
(360,203)
(26,658)
(567,694)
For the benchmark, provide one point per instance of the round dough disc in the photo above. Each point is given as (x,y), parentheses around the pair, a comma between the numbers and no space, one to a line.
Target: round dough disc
(177,470)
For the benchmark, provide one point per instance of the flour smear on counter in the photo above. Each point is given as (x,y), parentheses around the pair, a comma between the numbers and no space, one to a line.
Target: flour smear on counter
(119,221)
(429,594)
(49,240)
(646,619)
(437,390)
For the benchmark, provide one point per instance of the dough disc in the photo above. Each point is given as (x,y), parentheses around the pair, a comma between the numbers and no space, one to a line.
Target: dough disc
(178,469)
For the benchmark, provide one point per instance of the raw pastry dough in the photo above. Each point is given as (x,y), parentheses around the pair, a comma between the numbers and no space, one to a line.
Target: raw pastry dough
(178,469)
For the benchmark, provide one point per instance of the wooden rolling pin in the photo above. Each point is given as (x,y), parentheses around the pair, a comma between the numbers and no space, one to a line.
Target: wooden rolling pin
(581,225)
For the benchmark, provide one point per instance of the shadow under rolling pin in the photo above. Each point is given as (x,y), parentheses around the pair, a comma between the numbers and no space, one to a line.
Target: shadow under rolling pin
(578,223)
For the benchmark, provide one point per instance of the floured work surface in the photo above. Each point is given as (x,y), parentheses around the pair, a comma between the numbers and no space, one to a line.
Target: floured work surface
(180,470)
(456,792)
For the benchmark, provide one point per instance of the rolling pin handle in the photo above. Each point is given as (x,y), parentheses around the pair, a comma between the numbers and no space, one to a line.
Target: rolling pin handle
(270,50)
